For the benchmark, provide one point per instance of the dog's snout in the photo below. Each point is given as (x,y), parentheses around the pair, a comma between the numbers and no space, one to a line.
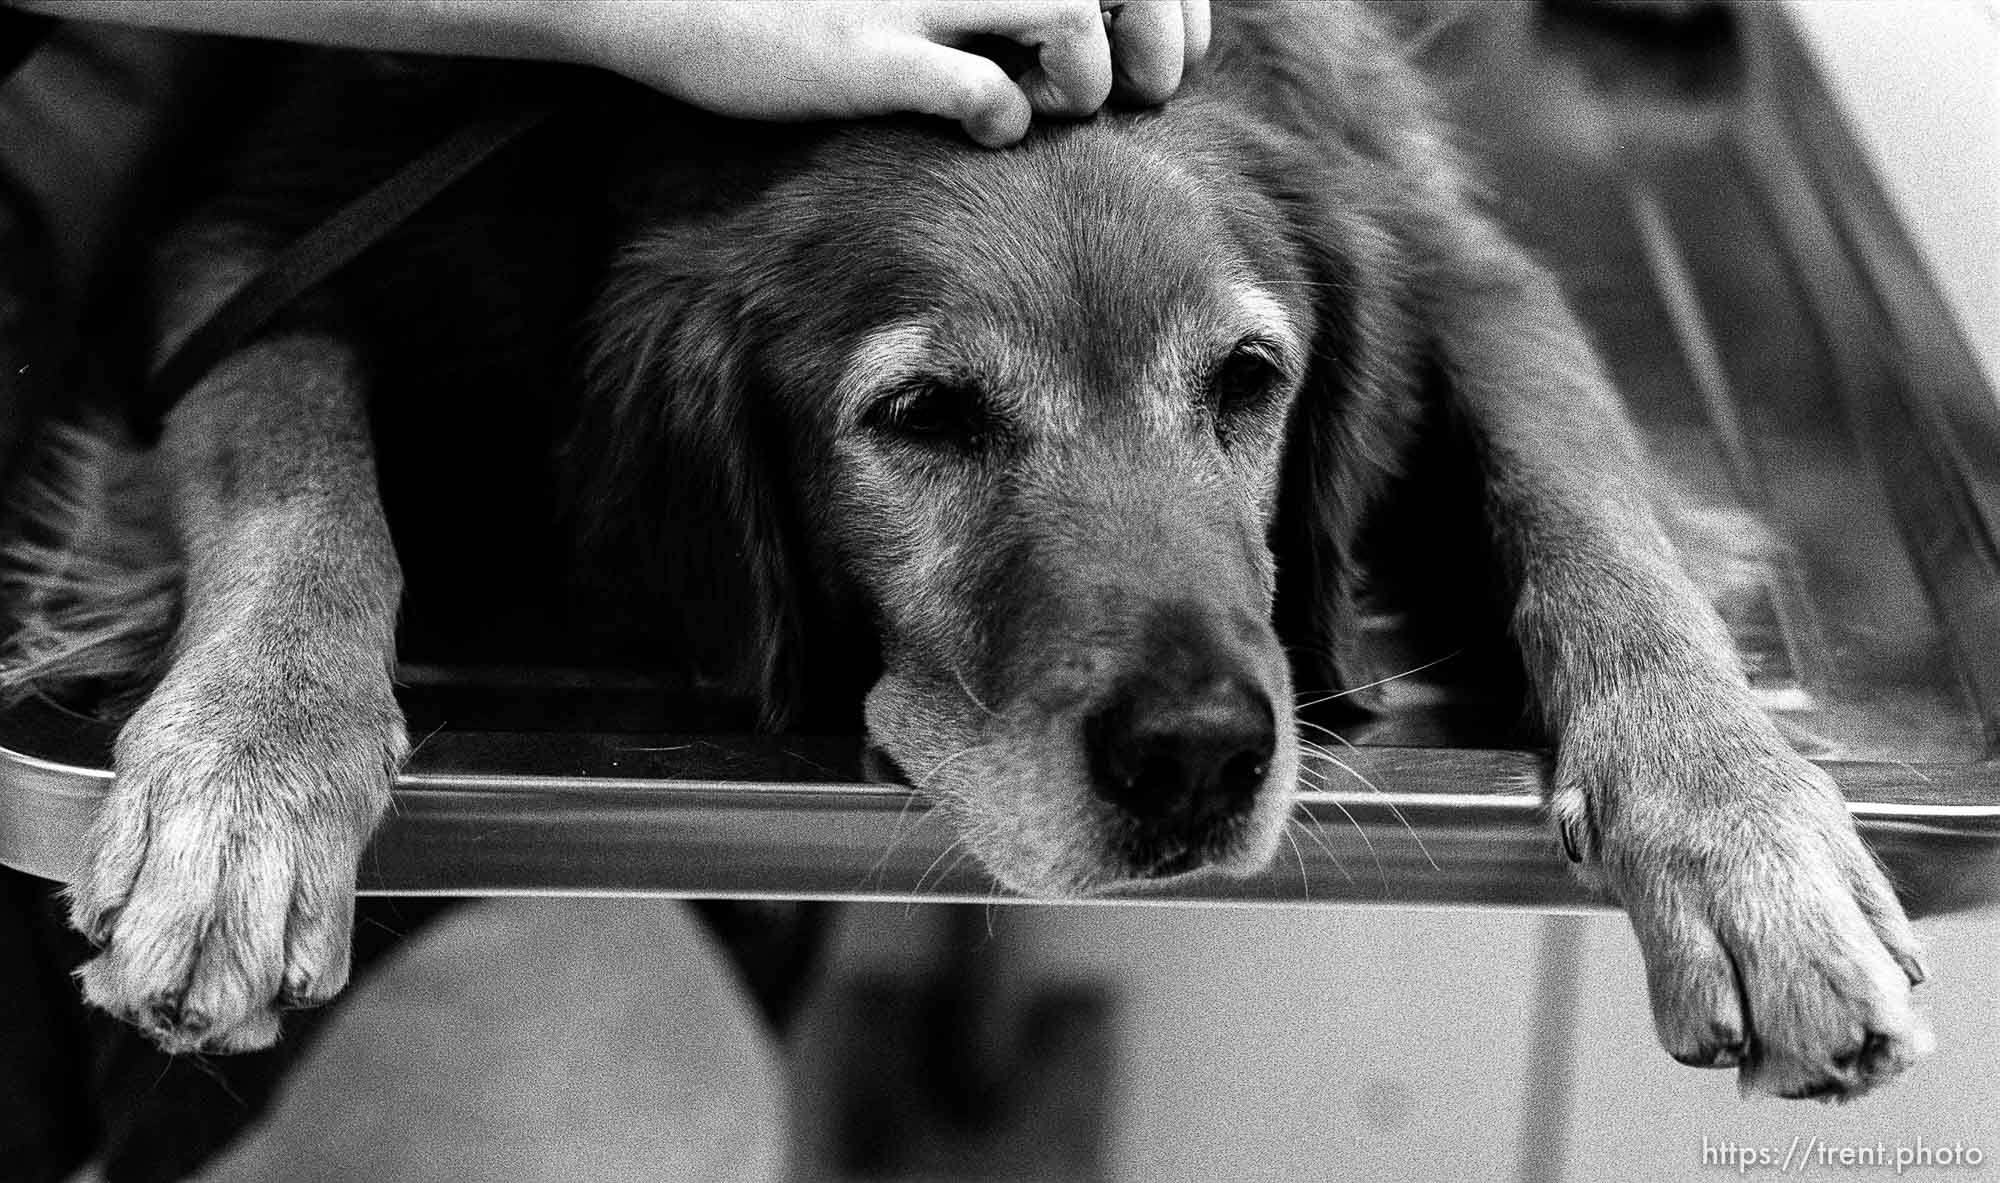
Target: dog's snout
(1182,758)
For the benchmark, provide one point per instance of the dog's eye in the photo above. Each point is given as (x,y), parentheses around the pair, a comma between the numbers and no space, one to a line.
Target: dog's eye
(933,412)
(1242,380)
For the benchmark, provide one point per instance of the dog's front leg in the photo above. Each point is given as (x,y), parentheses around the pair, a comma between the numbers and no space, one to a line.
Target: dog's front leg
(1772,940)
(220,879)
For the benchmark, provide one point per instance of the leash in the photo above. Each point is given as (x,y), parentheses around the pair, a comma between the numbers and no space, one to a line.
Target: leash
(319,253)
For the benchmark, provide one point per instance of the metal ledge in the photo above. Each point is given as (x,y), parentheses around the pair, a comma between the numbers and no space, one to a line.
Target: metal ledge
(1461,827)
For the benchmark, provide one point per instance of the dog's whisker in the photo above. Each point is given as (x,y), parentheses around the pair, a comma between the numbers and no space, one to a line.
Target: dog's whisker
(1317,835)
(924,780)
(1377,789)
(1305,882)
(1372,787)
(919,888)
(1380,681)
(1320,727)
(967,687)
(880,867)
(1381,872)
(965,852)
(1913,770)
(876,871)
(419,745)
(949,849)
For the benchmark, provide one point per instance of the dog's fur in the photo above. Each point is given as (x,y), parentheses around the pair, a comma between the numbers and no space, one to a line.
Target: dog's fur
(1052,461)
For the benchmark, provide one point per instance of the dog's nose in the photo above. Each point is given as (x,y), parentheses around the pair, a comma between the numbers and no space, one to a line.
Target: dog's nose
(1182,758)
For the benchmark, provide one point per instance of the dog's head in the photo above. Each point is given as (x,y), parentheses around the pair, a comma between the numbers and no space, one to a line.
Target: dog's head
(1032,437)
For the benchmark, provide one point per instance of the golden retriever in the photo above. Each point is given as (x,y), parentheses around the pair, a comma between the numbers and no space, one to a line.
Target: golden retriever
(1050,462)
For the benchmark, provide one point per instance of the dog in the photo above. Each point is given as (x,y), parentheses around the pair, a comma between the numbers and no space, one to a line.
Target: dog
(1048,467)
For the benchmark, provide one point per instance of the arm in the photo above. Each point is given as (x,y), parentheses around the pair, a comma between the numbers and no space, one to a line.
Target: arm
(768,59)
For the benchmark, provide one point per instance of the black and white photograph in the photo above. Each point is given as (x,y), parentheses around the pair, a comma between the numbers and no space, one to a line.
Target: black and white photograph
(999,591)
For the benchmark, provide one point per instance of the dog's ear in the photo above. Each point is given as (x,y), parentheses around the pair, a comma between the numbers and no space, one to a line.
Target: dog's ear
(675,466)
(1353,425)
(1355,158)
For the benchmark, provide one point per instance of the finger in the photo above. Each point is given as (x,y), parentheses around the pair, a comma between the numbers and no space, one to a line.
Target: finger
(1147,49)
(1030,22)
(970,90)
(1073,75)
(1196,30)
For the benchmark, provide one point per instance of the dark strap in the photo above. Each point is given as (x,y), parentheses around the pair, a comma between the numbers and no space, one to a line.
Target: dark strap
(320,252)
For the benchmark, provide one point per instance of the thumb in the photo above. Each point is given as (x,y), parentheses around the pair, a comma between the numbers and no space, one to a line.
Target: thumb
(973,91)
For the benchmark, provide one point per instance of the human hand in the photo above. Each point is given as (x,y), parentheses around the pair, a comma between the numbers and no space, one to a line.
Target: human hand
(813,59)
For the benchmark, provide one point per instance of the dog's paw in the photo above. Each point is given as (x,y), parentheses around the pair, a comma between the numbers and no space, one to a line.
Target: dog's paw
(1773,942)
(219,886)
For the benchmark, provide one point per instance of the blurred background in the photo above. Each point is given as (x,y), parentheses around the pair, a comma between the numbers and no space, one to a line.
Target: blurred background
(1199,1044)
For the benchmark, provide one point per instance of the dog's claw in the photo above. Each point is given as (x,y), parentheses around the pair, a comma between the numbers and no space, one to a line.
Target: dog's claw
(1870,1056)
(302,995)
(1725,1055)
(1822,1091)
(98,931)
(165,1015)
(169,1015)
